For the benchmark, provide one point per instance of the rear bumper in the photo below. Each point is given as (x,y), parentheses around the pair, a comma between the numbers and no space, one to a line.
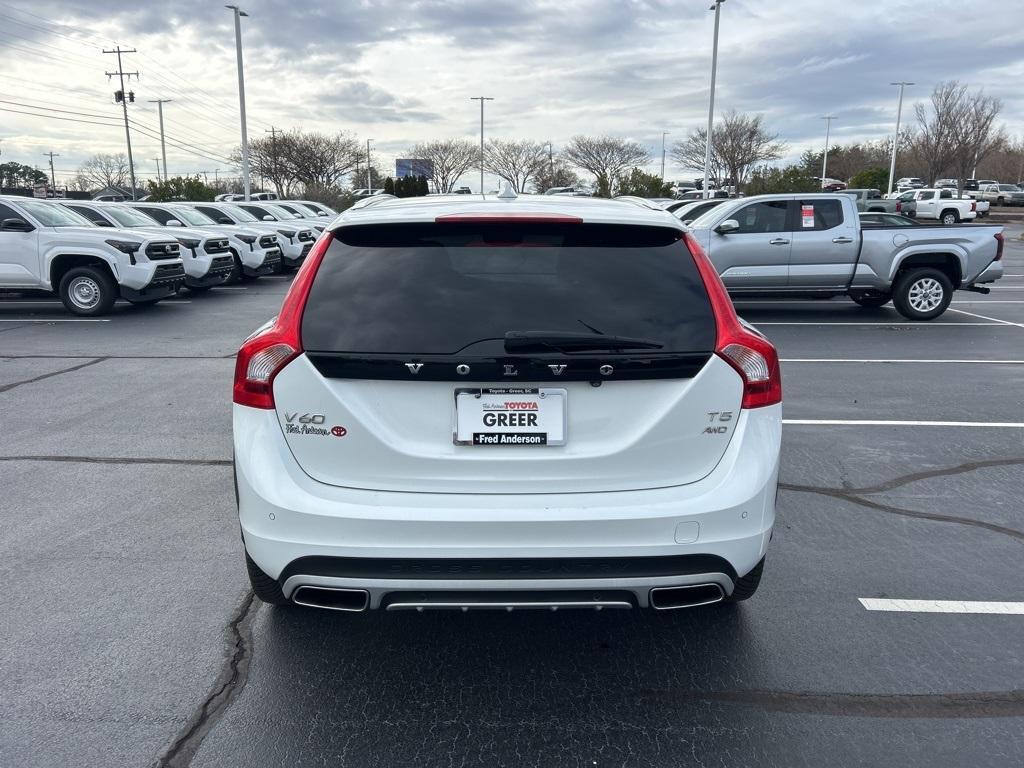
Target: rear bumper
(990,274)
(719,525)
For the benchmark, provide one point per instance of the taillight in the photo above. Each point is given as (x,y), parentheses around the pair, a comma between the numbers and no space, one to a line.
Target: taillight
(999,246)
(899,207)
(753,356)
(263,356)
(974,206)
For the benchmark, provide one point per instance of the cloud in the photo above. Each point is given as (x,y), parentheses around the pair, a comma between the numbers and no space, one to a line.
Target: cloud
(402,71)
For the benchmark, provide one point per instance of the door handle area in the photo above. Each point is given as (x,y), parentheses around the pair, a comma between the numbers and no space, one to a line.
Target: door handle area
(842,239)
(779,241)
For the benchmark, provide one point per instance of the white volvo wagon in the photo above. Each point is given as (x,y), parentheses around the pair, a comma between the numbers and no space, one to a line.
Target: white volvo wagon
(506,402)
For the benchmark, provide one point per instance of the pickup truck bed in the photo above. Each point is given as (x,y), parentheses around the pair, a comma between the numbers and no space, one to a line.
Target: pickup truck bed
(814,244)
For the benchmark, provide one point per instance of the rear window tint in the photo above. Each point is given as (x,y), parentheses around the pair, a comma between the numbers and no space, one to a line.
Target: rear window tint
(458,288)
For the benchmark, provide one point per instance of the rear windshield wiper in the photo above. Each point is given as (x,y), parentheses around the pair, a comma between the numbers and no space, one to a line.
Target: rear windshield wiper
(566,341)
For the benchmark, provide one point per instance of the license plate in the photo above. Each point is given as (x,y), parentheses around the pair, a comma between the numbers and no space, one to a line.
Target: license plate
(510,416)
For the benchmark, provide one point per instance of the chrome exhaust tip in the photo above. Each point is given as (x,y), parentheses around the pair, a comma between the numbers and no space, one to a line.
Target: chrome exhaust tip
(331,598)
(689,596)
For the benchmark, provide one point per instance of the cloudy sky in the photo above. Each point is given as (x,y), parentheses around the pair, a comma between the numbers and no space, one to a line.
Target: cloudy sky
(402,71)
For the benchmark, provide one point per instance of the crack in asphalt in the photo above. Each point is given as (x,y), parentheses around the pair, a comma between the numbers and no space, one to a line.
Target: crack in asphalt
(9,387)
(854,495)
(229,684)
(123,460)
(969,466)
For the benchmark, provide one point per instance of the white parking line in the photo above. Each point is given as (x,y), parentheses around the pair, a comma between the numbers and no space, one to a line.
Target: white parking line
(942,606)
(893,423)
(63,320)
(884,360)
(985,317)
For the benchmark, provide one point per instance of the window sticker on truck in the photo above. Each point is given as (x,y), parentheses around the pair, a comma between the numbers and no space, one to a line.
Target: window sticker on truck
(807,216)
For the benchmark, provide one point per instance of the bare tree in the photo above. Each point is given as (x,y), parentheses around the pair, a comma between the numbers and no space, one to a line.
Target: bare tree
(975,134)
(450,159)
(934,143)
(605,157)
(738,143)
(515,161)
(101,171)
(1006,163)
(555,171)
(300,158)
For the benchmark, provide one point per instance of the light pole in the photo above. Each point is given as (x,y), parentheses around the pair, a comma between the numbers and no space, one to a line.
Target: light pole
(481,99)
(896,138)
(824,163)
(663,135)
(369,179)
(241,98)
(163,147)
(158,179)
(717,7)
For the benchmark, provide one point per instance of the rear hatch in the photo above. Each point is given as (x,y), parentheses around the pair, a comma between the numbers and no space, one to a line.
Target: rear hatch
(496,357)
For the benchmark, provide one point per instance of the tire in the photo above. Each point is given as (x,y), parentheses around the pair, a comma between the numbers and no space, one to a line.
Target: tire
(870,301)
(950,217)
(746,586)
(88,291)
(922,293)
(264,587)
(1000,201)
(236,270)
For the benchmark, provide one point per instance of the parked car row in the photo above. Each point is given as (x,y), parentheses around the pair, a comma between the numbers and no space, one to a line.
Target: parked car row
(92,253)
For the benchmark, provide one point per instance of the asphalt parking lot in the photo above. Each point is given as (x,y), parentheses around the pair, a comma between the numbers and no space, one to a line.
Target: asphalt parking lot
(130,638)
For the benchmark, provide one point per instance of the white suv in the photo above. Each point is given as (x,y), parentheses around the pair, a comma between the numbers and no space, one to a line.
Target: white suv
(501,402)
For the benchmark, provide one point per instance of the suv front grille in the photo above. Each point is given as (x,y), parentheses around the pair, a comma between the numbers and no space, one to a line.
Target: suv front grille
(216,246)
(268,241)
(158,251)
(307,236)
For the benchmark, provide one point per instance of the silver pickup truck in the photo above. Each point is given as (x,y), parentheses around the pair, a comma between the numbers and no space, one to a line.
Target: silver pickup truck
(814,244)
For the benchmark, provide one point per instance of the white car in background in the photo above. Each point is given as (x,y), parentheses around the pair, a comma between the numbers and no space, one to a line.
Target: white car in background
(255,253)
(295,241)
(506,403)
(45,246)
(314,220)
(206,257)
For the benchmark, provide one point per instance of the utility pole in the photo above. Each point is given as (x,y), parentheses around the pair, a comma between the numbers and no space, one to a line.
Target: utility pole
(241,97)
(551,163)
(369,178)
(717,8)
(124,106)
(663,135)
(481,99)
(53,179)
(824,163)
(273,156)
(896,138)
(163,147)
(158,179)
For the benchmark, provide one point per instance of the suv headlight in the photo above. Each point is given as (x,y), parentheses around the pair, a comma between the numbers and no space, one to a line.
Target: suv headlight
(247,239)
(188,242)
(125,246)
(289,233)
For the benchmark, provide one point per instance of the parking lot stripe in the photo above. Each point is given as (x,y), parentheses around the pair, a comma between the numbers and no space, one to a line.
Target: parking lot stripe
(883,360)
(895,423)
(985,317)
(942,606)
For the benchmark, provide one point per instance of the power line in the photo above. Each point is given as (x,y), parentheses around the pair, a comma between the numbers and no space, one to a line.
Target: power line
(54,117)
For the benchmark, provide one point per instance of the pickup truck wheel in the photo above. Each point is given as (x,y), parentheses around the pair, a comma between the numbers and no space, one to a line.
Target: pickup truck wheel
(264,587)
(922,294)
(950,217)
(1000,201)
(236,270)
(88,291)
(870,301)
